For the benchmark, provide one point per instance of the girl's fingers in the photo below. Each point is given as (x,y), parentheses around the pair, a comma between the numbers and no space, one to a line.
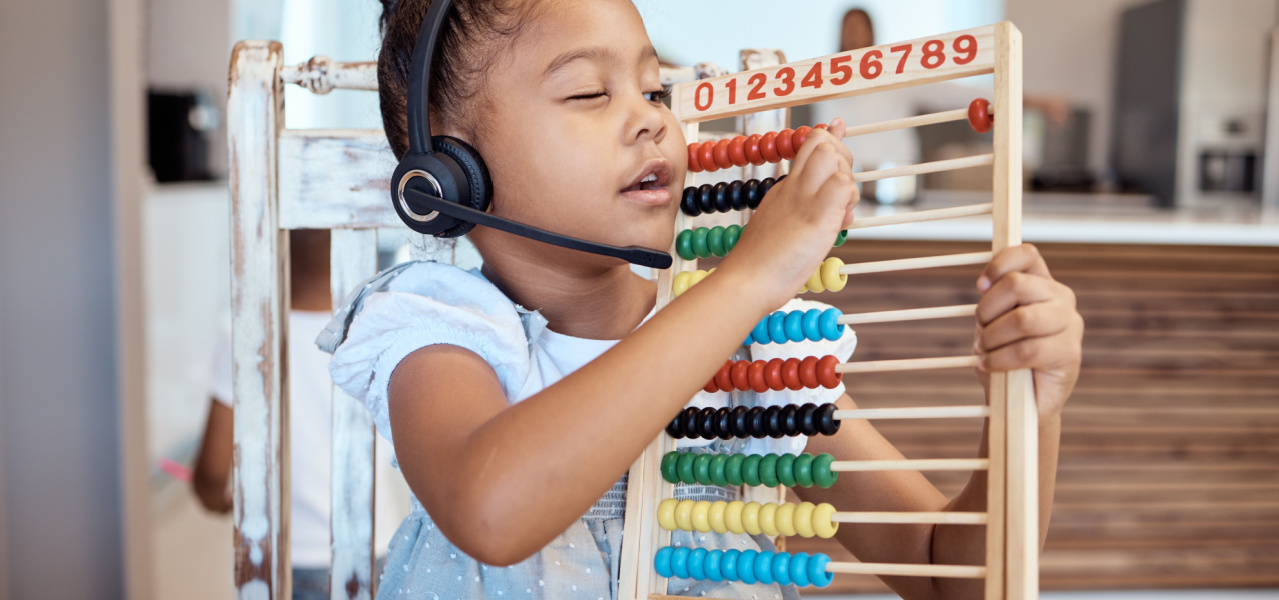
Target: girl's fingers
(823,162)
(1018,289)
(1034,353)
(1023,258)
(1023,322)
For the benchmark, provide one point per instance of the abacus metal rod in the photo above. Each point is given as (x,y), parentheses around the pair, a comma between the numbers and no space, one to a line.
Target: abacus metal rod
(947,518)
(920,464)
(959,114)
(913,314)
(923,262)
(907,364)
(923,412)
(936,214)
(929,167)
(958,571)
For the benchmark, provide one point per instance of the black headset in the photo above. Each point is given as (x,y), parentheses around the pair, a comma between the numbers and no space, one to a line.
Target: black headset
(441,186)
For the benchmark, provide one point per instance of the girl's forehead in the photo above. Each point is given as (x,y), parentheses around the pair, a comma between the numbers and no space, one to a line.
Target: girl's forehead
(562,32)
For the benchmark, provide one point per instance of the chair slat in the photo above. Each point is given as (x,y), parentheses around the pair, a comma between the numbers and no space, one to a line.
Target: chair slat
(335,179)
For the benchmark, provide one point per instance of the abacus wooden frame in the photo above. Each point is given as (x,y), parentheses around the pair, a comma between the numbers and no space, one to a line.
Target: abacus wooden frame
(1012,534)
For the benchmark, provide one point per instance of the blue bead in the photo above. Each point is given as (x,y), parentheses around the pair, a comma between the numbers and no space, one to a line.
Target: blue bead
(697,564)
(749,340)
(712,565)
(799,569)
(829,324)
(811,329)
(662,562)
(794,326)
(781,568)
(776,328)
(746,566)
(728,565)
(679,562)
(760,333)
(764,568)
(817,574)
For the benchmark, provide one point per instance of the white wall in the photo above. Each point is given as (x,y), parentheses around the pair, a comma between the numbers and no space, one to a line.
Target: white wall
(188,46)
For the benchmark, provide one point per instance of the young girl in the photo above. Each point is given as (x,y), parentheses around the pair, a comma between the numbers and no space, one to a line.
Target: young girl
(518,396)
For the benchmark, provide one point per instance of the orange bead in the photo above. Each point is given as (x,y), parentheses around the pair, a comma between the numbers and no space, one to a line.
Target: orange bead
(721,154)
(752,150)
(694,162)
(768,147)
(790,374)
(773,374)
(821,126)
(737,151)
(757,377)
(826,374)
(801,134)
(711,388)
(740,375)
(706,157)
(722,379)
(979,115)
(808,372)
(786,143)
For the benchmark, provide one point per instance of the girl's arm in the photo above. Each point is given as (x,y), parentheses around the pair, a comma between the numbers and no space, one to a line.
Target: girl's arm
(502,481)
(213,463)
(1025,320)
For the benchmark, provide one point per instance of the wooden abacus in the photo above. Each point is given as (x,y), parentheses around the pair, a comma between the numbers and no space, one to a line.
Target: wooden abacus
(1011,516)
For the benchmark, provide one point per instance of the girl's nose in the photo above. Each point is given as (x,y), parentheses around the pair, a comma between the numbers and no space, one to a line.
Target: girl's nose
(645,122)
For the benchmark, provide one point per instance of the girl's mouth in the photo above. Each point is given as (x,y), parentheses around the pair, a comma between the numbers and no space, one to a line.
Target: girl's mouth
(649,187)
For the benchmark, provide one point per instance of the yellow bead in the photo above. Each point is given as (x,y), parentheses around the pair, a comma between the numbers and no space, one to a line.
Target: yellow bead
(750,518)
(815,281)
(701,516)
(681,282)
(733,516)
(822,523)
(831,277)
(768,519)
(698,276)
(786,519)
(804,519)
(717,517)
(684,515)
(666,514)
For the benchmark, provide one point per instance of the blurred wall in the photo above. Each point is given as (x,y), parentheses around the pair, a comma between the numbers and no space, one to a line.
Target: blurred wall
(188,47)
(60,529)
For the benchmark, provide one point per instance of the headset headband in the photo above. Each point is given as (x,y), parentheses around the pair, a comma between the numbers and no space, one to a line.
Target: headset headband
(419,121)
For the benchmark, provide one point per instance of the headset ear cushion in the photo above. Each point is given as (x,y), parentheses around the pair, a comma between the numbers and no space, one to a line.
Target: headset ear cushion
(478,190)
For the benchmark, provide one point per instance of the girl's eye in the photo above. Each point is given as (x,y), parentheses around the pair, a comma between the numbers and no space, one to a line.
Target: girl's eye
(658,96)
(589,95)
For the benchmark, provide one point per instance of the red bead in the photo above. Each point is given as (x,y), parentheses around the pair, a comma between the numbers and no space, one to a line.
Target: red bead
(757,377)
(786,143)
(808,372)
(821,126)
(711,388)
(752,150)
(801,134)
(826,374)
(737,151)
(979,115)
(740,375)
(706,157)
(768,147)
(694,163)
(721,154)
(773,374)
(722,379)
(790,374)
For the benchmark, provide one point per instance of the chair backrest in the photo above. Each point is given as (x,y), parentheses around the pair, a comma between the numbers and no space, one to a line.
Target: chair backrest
(283,179)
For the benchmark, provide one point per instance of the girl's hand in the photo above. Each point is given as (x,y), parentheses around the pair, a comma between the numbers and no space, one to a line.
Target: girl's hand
(796,224)
(1026,319)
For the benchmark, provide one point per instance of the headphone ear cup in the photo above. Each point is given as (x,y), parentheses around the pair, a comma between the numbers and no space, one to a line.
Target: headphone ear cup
(478,189)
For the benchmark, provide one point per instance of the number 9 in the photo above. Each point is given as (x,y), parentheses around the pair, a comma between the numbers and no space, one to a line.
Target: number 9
(968,49)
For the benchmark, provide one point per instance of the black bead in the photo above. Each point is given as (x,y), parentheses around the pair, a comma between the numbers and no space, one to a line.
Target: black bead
(755,416)
(675,429)
(765,185)
(806,425)
(752,193)
(736,198)
(826,422)
(688,203)
(722,425)
(688,422)
(721,197)
(706,424)
(705,198)
(773,416)
(790,425)
(737,422)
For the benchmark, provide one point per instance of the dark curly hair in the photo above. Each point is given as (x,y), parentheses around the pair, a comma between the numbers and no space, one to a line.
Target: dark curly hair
(467,45)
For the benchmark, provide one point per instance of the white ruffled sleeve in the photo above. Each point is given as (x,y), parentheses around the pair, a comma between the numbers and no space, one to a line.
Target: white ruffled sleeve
(428,304)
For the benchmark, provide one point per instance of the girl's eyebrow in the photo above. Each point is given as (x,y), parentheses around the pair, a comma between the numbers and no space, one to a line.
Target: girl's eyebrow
(592,53)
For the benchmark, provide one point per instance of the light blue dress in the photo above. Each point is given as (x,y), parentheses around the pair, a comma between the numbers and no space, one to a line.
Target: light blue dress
(419,304)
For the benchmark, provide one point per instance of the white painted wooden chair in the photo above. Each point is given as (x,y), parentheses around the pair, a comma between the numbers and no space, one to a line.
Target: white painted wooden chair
(283,179)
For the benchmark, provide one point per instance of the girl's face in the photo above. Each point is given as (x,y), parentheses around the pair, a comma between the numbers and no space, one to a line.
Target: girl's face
(575,134)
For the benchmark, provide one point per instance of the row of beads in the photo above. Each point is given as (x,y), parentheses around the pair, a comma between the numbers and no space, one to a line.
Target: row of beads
(825,278)
(723,197)
(813,325)
(777,375)
(741,150)
(768,470)
(804,519)
(747,566)
(717,241)
(756,422)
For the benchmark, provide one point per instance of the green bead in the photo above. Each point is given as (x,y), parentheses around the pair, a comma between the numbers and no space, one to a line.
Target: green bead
(717,469)
(731,234)
(702,469)
(841,238)
(669,460)
(768,470)
(750,470)
(684,245)
(733,469)
(685,467)
(804,470)
(785,472)
(822,475)
(715,242)
(699,242)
